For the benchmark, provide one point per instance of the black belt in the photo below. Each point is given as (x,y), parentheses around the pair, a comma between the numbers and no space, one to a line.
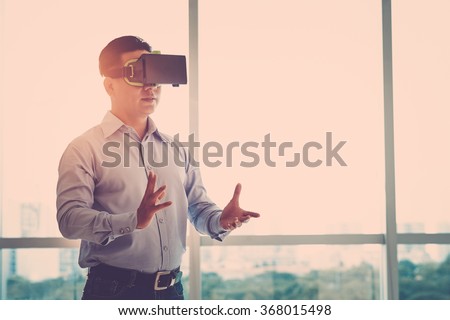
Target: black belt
(160,280)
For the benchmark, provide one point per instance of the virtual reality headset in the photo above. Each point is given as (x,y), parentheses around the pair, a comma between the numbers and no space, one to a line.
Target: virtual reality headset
(153,69)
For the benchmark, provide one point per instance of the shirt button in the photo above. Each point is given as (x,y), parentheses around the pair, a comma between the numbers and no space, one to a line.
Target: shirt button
(161,220)
(128,229)
(149,167)
(122,231)
(165,248)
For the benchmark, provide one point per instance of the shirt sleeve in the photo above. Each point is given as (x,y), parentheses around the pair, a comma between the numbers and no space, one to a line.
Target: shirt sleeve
(203,213)
(75,198)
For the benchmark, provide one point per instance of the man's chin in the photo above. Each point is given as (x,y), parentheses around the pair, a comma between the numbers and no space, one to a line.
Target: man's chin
(148,109)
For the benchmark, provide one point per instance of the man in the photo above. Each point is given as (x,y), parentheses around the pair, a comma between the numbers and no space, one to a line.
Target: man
(131,216)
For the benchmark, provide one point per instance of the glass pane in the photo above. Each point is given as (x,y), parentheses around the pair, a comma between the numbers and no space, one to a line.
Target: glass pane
(294,80)
(53,92)
(42,274)
(422,115)
(291,272)
(424,272)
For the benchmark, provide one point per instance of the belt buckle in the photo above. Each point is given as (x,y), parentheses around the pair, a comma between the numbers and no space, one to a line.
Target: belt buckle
(158,275)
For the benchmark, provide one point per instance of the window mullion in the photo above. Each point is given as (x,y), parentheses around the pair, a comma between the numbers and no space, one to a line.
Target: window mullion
(392,290)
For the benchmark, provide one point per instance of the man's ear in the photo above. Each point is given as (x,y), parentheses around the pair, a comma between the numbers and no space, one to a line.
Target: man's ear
(109,87)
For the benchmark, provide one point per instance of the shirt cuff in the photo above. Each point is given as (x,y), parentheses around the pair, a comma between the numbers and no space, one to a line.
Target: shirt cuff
(216,230)
(122,224)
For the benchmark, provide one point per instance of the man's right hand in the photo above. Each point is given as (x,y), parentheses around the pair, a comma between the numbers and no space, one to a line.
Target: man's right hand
(150,202)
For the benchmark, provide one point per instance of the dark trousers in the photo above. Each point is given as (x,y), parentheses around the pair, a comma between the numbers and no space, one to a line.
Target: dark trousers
(110,283)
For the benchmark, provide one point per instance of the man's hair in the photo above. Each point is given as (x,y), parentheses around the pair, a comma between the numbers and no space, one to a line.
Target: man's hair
(110,57)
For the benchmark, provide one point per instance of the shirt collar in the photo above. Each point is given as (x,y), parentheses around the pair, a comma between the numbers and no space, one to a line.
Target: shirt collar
(111,124)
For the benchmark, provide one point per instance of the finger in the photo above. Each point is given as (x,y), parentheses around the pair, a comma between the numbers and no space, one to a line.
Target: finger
(235,224)
(158,194)
(230,227)
(237,192)
(251,214)
(162,195)
(244,219)
(162,205)
(150,184)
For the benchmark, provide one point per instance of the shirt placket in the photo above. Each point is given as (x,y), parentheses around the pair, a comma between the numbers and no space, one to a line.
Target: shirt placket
(159,218)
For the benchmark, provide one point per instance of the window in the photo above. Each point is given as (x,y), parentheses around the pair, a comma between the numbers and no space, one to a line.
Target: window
(304,74)
(53,92)
(424,272)
(422,116)
(291,272)
(49,274)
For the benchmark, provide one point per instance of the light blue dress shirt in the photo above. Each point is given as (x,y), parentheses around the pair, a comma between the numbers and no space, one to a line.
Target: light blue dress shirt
(102,177)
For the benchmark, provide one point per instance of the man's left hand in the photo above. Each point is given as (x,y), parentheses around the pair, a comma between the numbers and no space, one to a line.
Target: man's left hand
(233,216)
